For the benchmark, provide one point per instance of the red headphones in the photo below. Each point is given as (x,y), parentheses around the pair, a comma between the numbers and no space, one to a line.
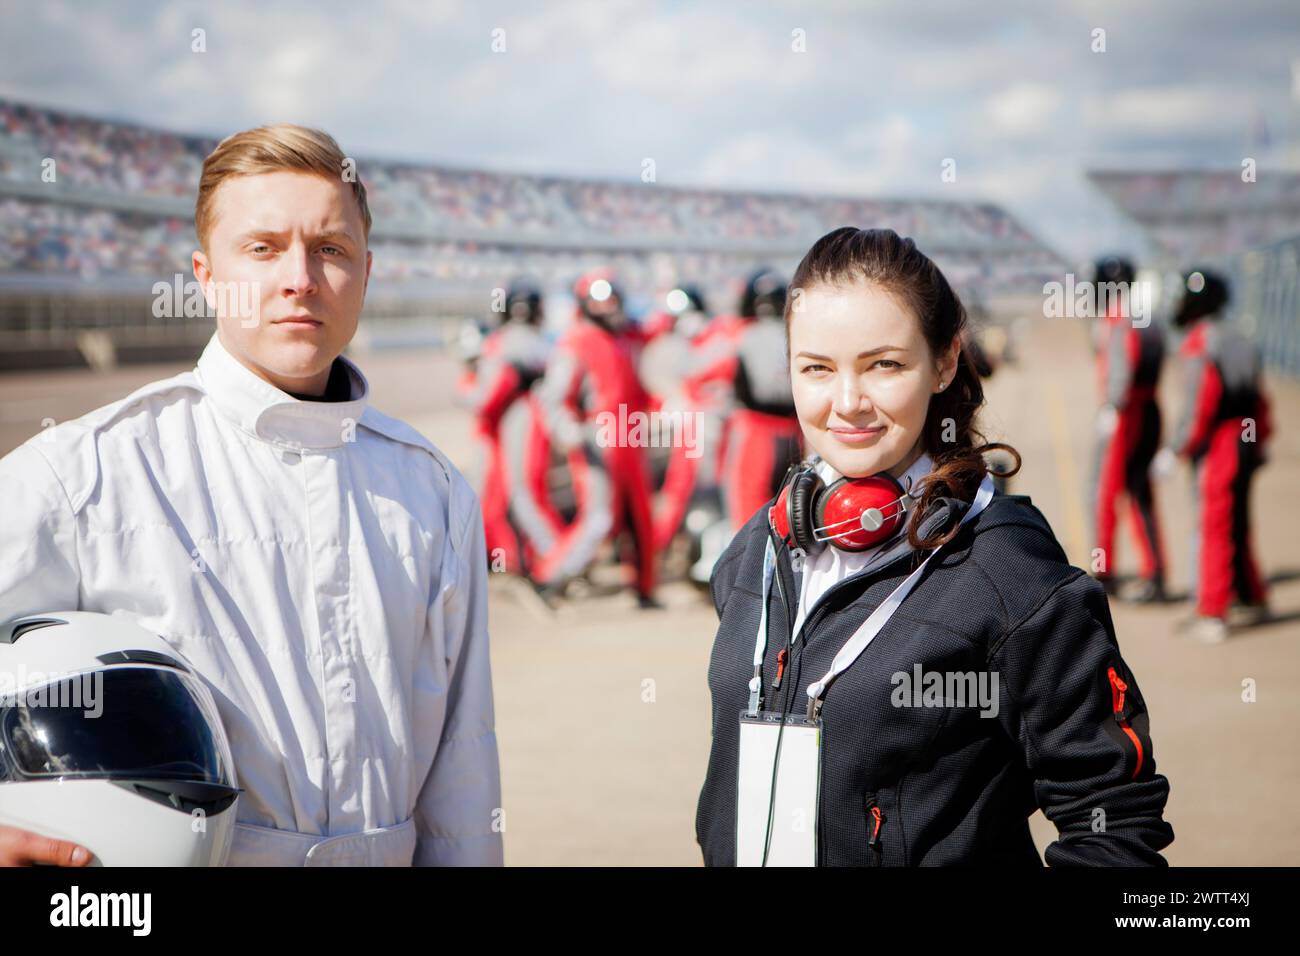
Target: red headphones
(853,514)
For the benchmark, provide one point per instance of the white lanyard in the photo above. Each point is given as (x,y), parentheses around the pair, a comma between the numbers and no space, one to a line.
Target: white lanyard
(864,635)
(760,643)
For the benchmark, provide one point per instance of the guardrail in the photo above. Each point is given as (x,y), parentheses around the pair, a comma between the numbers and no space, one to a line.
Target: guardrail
(1266,293)
(53,324)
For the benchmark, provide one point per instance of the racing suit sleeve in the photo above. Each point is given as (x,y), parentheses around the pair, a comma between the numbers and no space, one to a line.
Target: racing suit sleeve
(1204,390)
(1120,364)
(556,391)
(39,569)
(496,384)
(1072,705)
(458,814)
(714,362)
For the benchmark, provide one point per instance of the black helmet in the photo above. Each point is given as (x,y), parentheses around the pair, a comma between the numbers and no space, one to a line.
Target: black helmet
(1114,269)
(764,295)
(524,301)
(1204,293)
(685,298)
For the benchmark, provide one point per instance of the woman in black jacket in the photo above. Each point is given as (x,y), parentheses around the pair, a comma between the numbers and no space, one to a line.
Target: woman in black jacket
(996,686)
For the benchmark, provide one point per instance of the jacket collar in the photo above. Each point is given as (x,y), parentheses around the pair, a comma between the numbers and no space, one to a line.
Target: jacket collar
(262,410)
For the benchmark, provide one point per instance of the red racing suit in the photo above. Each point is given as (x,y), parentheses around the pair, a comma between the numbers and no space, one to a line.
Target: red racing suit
(1225,425)
(1128,366)
(518,520)
(591,393)
(708,363)
(763,436)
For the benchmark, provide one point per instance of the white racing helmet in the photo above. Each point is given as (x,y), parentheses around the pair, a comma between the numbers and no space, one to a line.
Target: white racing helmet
(109,739)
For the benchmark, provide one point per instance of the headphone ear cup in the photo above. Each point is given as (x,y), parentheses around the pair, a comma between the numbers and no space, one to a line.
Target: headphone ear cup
(850,506)
(804,487)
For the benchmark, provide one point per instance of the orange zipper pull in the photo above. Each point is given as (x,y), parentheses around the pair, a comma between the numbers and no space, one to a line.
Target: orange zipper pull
(879,818)
(781,656)
(1117,689)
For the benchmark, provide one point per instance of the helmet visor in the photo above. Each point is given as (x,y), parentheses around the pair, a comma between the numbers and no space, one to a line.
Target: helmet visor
(147,722)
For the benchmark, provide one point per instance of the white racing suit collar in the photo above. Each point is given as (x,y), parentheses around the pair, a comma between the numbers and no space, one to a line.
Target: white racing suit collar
(264,411)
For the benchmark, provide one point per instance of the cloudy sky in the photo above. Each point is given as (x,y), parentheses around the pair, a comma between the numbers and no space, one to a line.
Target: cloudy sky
(716,94)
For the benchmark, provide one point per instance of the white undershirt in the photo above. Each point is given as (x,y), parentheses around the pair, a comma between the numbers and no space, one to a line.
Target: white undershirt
(831,565)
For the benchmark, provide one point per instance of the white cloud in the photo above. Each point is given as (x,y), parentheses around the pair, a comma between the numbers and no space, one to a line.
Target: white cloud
(1165,109)
(761,159)
(1023,109)
(694,51)
(893,135)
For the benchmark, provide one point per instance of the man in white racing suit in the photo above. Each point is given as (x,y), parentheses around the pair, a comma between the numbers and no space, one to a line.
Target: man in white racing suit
(320,564)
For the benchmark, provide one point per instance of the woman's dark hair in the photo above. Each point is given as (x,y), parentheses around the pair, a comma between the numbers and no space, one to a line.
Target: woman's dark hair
(883,258)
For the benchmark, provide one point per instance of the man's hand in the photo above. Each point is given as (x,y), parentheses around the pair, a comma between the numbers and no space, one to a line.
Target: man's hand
(23,848)
(1107,421)
(1163,463)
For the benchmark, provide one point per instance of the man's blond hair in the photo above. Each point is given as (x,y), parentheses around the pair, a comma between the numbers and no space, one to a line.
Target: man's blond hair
(270,149)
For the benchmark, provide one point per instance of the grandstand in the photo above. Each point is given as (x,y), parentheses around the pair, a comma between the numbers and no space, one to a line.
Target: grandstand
(1205,216)
(1249,230)
(82,253)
